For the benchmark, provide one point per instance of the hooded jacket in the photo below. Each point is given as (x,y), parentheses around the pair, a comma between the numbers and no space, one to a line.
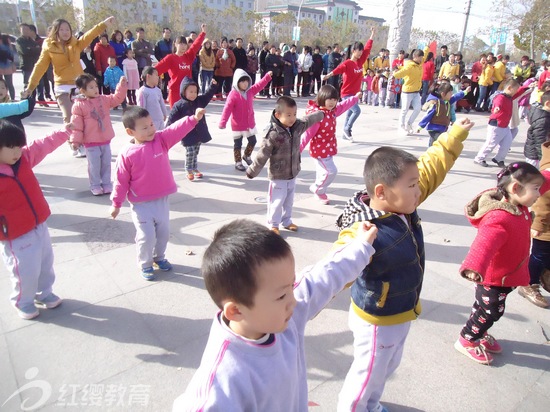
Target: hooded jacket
(541,208)
(240,104)
(439,114)
(185,107)
(538,133)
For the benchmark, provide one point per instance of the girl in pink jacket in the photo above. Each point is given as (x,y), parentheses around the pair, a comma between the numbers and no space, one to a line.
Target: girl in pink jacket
(92,128)
(240,105)
(499,257)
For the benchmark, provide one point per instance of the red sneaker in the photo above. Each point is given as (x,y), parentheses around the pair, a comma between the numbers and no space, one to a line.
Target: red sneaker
(490,344)
(474,351)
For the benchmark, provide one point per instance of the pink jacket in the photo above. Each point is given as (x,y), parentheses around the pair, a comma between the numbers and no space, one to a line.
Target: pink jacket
(241,109)
(91,118)
(143,171)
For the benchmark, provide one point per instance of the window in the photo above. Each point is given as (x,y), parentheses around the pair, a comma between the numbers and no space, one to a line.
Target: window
(219,2)
(303,15)
(249,5)
(329,17)
(241,4)
(154,5)
(309,15)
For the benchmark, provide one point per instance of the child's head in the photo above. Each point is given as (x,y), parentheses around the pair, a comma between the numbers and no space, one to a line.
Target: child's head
(285,111)
(129,53)
(253,286)
(138,124)
(545,100)
(327,97)
(379,72)
(510,87)
(243,83)
(87,84)
(370,72)
(545,86)
(391,179)
(4,95)
(418,56)
(12,139)
(519,183)
(455,79)
(150,76)
(180,45)
(189,89)
(104,39)
(112,61)
(445,91)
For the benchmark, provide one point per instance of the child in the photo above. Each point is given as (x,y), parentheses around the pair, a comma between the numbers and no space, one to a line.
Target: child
(131,73)
(539,130)
(498,132)
(143,174)
(499,256)
(189,103)
(254,359)
(26,105)
(385,298)
(24,238)
(149,97)
(281,147)
(92,128)
(382,88)
(375,87)
(394,92)
(438,117)
(112,77)
(322,138)
(539,262)
(367,87)
(240,106)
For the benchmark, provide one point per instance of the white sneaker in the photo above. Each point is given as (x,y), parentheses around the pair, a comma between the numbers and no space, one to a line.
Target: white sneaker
(347,136)
(410,129)
(403,131)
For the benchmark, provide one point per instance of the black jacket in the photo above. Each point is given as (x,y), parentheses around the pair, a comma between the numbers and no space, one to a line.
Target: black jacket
(241,60)
(270,61)
(317,67)
(186,107)
(538,133)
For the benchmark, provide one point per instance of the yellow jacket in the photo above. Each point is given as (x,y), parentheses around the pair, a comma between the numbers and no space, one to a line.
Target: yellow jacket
(449,70)
(500,72)
(367,65)
(411,72)
(65,60)
(486,77)
(380,63)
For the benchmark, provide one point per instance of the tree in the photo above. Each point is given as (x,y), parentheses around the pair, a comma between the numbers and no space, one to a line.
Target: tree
(281,27)
(400,26)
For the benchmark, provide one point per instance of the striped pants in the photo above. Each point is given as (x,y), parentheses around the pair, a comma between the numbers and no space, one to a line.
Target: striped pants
(192,152)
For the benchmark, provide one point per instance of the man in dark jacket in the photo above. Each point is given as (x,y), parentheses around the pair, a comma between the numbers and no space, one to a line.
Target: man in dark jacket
(539,130)
(241,61)
(442,58)
(334,60)
(316,69)
(263,70)
(28,50)
(163,48)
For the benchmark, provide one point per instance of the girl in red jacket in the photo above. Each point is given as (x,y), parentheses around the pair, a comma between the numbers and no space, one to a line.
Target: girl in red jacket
(499,256)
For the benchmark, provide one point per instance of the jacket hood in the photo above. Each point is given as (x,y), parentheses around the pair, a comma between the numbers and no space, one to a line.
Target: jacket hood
(185,83)
(486,202)
(432,96)
(239,74)
(545,161)
(357,209)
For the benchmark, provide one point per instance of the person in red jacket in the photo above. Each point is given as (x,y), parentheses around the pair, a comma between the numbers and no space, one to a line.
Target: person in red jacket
(352,76)
(24,239)
(102,51)
(178,64)
(428,70)
(498,260)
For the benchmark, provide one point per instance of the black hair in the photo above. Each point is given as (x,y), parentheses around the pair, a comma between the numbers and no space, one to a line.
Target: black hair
(33,28)
(126,51)
(545,86)
(239,38)
(133,114)
(522,172)
(325,93)
(545,96)
(84,80)
(444,88)
(430,56)
(164,29)
(11,135)
(140,29)
(355,46)
(509,83)
(418,53)
(284,102)
(229,264)
(104,35)
(265,42)
(147,70)
(444,47)
(385,166)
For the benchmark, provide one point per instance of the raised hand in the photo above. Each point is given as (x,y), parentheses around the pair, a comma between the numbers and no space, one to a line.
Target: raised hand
(466,124)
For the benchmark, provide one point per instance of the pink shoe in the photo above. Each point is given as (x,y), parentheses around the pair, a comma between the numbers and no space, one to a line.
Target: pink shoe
(490,344)
(323,198)
(474,351)
(97,192)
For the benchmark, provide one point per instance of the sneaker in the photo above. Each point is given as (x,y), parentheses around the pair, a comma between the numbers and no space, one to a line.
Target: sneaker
(481,163)
(275,230)
(190,175)
(239,166)
(499,163)
(292,227)
(163,265)
(347,136)
(80,152)
(27,312)
(410,129)
(533,295)
(198,175)
(379,407)
(475,352)
(403,131)
(148,273)
(490,344)
(49,302)
(107,190)
(248,160)
(323,198)
(97,192)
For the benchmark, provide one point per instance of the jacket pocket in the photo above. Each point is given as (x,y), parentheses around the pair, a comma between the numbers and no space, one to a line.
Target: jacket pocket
(383,295)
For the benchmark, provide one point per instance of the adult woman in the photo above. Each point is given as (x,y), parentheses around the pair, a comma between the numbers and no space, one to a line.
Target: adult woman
(352,71)
(7,65)
(128,38)
(305,62)
(117,43)
(208,63)
(225,65)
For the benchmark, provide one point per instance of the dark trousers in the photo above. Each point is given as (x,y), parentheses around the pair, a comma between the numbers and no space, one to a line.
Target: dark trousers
(303,81)
(252,76)
(164,82)
(103,88)
(288,81)
(39,88)
(265,91)
(224,84)
(433,136)
(315,78)
(539,260)
(488,308)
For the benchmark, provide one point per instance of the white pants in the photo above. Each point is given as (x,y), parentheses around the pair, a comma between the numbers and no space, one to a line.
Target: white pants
(99,167)
(382,97)
(408,100)
(280,199)
(374,97)
(29,258)
(326,173)
(501,136)
(152,222)
(376,355)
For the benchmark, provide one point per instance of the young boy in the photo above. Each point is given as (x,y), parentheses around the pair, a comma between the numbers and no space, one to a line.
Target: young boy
(240,106)
(143,173)
(281,147)
(438,118)
(385,298)
(539,130)
(498,132)
(112,76)
(383,88)
(254,359)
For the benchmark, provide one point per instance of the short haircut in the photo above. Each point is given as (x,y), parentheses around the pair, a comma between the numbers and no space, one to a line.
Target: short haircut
(239,38)
(132,115)
(444,47)
(111,58)
(11,135)
(23,25)
(444,88)
(165,29)
(84,80)
(545,97)
(510,83)
(418,53)
(482,55)
(545,86)
(325,93)
(385,166)
(104,35)
(33,28)
(140,29)
(506,57)
(147,70)
(335,45)
(401,52)
(230,263)
(265,42)
(452,54)
(284,102)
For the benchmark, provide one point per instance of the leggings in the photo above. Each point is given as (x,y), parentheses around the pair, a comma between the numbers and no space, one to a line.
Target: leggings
(131,97)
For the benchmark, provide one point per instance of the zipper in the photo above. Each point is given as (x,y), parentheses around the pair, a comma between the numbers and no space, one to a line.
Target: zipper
(418,258)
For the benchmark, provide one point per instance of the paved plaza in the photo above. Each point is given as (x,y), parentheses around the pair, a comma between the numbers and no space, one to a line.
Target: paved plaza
(120,343)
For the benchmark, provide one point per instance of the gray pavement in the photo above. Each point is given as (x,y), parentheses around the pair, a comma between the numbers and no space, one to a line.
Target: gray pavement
(120,343)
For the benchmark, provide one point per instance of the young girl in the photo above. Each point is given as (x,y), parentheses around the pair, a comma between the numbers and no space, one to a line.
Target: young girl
(499,256)
(131,73)
(92,129)
(24,239)
(150,97)
(367,87)
(322,137)
(26,109)
(240,106)
(187,106)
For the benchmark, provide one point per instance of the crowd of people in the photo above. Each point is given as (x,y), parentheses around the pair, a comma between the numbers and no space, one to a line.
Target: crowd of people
(248,269)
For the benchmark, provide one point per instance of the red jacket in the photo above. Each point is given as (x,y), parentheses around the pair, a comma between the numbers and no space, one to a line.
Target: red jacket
(23,206)
(504,103)
(545,76)
(428,70)
(477,69)
(352,72)
(101,56)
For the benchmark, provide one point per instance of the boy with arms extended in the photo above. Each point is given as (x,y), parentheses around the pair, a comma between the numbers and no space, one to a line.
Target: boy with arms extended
(385,297)
(254,359)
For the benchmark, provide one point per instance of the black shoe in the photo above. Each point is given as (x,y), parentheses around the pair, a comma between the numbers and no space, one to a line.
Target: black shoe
(500,164)
(482,163)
